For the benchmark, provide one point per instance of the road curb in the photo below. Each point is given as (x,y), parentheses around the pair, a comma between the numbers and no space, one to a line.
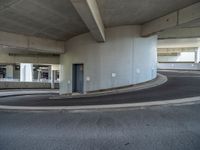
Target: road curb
(183,101)
(14,95)
(161,79)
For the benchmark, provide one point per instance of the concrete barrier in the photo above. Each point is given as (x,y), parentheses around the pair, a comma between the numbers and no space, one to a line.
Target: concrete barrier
(181,66)
(26,85)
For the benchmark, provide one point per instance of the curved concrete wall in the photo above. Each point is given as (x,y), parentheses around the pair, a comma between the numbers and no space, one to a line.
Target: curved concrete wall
(125,54)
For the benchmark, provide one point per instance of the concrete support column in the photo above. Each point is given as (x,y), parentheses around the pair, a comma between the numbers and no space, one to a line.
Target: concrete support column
(26,72)
(39,75)
(197,55)
(49,72)
(9,71)
(54,68)
(52,79)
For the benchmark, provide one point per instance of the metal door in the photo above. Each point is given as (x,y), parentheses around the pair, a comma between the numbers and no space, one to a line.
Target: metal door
(78,78)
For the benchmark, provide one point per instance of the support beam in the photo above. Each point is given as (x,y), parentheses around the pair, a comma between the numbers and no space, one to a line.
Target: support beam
(177,18)
(11,41)
(89,12)
(160,24)
(9,58)
(180,33)
(179,43)
(176,50)
(189,14)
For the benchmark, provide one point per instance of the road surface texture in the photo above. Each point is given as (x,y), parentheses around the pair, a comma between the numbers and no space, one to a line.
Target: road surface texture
(150,128)
(179,85)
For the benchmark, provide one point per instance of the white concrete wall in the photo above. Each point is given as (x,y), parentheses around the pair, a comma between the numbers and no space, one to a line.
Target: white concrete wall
(183,57)
(133,59)
(26,72)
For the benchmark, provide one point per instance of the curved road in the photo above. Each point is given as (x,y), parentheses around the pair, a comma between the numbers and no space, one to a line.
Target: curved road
(149,128)
(179,85)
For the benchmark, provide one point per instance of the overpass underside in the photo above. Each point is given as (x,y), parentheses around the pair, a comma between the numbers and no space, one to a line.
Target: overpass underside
(95,44)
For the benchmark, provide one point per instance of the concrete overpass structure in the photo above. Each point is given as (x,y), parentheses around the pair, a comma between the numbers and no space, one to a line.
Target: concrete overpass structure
(179,54)
(102,43)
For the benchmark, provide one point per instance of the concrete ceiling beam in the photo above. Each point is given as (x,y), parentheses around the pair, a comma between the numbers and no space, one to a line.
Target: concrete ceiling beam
(176,50)
(189,14)
(89,12)
(180,33)
(179,43)
(178,18)
(29,43)
(160,24)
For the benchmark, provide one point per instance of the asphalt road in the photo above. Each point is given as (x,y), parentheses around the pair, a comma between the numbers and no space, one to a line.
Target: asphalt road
(179,85)
(150,128)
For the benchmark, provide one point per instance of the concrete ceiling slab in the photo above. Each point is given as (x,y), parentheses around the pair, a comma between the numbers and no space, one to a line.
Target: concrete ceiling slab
(127,12)
(52,19)
(60,21)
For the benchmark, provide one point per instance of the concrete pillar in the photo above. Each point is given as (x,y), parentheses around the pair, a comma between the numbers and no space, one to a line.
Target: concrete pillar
(50,73)
(52,79)
(197,55)
(55,73)
(54,68)
(26,72)
(9,71)
(39,75)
